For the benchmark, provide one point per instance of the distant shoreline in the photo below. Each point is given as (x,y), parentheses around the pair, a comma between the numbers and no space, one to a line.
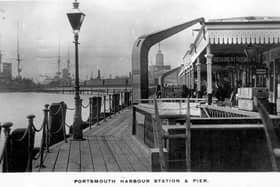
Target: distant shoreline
(59,89)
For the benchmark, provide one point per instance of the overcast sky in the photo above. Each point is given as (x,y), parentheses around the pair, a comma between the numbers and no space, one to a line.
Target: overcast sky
(108,32)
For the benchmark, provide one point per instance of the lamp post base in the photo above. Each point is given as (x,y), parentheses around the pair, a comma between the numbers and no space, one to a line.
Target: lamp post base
(77,130)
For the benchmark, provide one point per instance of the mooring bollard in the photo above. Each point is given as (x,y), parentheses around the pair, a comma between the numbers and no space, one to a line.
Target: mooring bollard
(30,142)
(7,129)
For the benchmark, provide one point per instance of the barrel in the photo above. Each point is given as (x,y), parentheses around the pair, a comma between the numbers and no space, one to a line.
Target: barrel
(126,98)
(95,109)
(17,151)
(116,102)
(56,120)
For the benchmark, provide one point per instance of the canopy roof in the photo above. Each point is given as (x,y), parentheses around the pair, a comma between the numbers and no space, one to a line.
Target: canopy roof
(231,32)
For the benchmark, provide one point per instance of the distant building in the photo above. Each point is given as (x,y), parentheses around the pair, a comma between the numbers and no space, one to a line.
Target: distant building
(155,71)
(98,74)
(66,77)
(159,58)
(6,73)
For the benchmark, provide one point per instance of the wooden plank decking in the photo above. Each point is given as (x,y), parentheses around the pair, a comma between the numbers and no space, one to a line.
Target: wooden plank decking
(108,147)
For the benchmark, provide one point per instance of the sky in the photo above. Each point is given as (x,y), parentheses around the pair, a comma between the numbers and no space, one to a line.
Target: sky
(108,32)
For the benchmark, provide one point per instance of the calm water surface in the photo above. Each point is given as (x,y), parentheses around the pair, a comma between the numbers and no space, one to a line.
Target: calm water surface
(14,107)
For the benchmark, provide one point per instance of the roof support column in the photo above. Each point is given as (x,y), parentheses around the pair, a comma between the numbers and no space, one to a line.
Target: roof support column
(198,73)
(192,77)
(189,78)
(209,57)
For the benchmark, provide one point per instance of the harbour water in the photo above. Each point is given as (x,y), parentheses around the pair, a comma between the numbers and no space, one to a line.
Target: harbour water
(14,107)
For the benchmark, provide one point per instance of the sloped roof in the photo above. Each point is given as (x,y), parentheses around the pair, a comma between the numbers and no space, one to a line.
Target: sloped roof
(252,19)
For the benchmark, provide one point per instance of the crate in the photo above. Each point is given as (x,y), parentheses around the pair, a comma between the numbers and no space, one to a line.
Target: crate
(246,104)
(278,105)
(249,93)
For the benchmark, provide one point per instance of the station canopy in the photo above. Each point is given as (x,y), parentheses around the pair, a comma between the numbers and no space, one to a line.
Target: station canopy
(234,36)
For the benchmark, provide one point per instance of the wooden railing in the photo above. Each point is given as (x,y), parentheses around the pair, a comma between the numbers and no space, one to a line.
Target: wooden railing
(219,119)
(153,134)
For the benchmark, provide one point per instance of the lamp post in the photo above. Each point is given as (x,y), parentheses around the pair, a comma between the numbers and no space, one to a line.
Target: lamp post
(76,18)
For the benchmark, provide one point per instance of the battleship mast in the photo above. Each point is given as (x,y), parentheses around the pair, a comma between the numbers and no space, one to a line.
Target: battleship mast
(58,61)
(19,60)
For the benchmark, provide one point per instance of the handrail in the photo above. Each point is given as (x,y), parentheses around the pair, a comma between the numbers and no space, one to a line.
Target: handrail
(157,133)
(271,137)
(158,136)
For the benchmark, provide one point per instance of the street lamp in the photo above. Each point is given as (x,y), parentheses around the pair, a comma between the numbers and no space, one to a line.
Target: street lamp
(76,18)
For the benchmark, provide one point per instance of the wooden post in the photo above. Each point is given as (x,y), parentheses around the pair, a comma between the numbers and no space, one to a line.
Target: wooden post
(192,77)
(44,143)
(30,142)
(156,159)
(4,164)
(104,105)
(188,78)
(188,137)
(110,106)
(97,110)
(133,120)
(157,132)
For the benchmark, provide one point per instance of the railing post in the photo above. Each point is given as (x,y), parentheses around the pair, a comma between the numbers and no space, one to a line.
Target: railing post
(110,105)
(7,129)
(97,109)
(119,106)
(46,128)
(44,140)
(30,146)
(121,99)
(64,108)
(104,105)
(188,137)
(133,120)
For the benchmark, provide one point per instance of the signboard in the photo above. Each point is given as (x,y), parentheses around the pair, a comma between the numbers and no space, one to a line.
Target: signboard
(229,59)
(261,71)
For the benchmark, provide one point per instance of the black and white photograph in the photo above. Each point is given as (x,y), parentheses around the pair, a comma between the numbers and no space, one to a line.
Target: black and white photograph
(141,93)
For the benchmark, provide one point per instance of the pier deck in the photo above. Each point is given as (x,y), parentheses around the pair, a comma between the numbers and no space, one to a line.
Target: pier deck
(108,147)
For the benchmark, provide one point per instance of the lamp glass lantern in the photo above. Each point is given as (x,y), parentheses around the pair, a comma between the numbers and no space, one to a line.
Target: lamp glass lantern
(76,17)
